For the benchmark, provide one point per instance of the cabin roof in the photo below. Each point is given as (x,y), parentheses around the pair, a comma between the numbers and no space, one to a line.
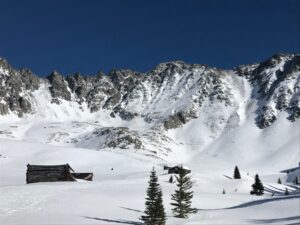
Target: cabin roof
(290,170)
(49,167)
(180,166)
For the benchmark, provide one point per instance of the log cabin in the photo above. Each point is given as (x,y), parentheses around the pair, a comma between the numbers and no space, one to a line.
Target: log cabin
(177,169)
(54,173)
(48,173)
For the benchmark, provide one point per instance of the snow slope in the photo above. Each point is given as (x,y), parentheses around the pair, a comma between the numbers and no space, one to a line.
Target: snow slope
(117,196)
(206,118)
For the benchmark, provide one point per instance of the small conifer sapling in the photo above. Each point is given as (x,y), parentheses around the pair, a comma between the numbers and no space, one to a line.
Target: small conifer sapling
(171,179)
(279,181)
(286,192)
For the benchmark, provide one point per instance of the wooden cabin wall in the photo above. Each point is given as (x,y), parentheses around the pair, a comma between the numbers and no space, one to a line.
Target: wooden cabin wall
(48,174)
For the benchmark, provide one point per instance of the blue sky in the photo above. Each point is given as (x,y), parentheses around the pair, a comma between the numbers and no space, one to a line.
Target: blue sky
(90,35)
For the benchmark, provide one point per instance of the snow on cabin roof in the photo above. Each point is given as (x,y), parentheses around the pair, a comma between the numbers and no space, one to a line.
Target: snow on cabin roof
(183,167)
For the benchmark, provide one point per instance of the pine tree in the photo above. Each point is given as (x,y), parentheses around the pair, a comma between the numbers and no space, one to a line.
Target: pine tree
(257,187)
(171,179)
(279,181)
(223,192)
(154,212)
(286,192)
(161,215)
(183,196)
(236,173)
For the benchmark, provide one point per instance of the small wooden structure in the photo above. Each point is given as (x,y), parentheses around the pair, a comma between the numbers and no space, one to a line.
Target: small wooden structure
(54,173)
(177,169)
(291,169)
(293,174)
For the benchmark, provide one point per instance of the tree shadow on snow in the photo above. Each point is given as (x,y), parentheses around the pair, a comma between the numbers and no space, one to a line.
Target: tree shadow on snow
(114,221)
(134,210)
(255,202)
(263,201)
(286,219)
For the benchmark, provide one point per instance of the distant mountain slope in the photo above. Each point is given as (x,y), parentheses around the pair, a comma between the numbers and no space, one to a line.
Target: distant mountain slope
(174,106)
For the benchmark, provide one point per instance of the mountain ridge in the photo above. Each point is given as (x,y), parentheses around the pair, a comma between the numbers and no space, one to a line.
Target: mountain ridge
(112,90)
(135,109)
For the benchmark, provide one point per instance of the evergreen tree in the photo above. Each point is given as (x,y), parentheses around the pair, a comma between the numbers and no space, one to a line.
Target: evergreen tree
(257,187)
(279,181)
(223,192)
(161,215)
(171,179)
(154,212)
(182,198)
(236,173)
(286,192)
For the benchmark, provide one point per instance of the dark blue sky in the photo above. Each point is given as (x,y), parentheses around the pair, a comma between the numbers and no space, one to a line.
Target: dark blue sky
(90,35)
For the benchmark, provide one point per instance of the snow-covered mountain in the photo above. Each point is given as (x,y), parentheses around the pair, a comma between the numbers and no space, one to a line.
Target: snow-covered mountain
(174,105)
(186,88)
(121,124)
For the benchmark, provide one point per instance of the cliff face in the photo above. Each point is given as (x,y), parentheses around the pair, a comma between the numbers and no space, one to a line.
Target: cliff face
(276,87)
(171,94)
(127,108)
(15,89)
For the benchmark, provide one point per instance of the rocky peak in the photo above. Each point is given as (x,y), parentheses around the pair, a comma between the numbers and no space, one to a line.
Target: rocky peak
(124,77)
(76,83)
(172,93)
(123,81)
(58,88)
(13,86)
(293,66)
(30,80)
(55,76)
(275,86)
(272,62)
(174,67)
(4,64)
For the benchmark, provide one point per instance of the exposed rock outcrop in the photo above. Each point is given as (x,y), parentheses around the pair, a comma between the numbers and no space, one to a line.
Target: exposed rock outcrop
(58,88)
(170,95)
(117,137)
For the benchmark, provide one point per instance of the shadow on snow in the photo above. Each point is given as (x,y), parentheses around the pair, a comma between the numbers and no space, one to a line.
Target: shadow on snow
(262,201)
(256,202)
(134,210)
(269,221)
(120,221)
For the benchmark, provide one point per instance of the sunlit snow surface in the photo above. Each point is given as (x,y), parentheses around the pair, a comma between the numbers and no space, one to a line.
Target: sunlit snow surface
(211,146)
(117,196)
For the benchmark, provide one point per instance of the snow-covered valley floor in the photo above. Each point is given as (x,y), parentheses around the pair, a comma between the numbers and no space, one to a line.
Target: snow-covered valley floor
(118,190)
(117,196)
